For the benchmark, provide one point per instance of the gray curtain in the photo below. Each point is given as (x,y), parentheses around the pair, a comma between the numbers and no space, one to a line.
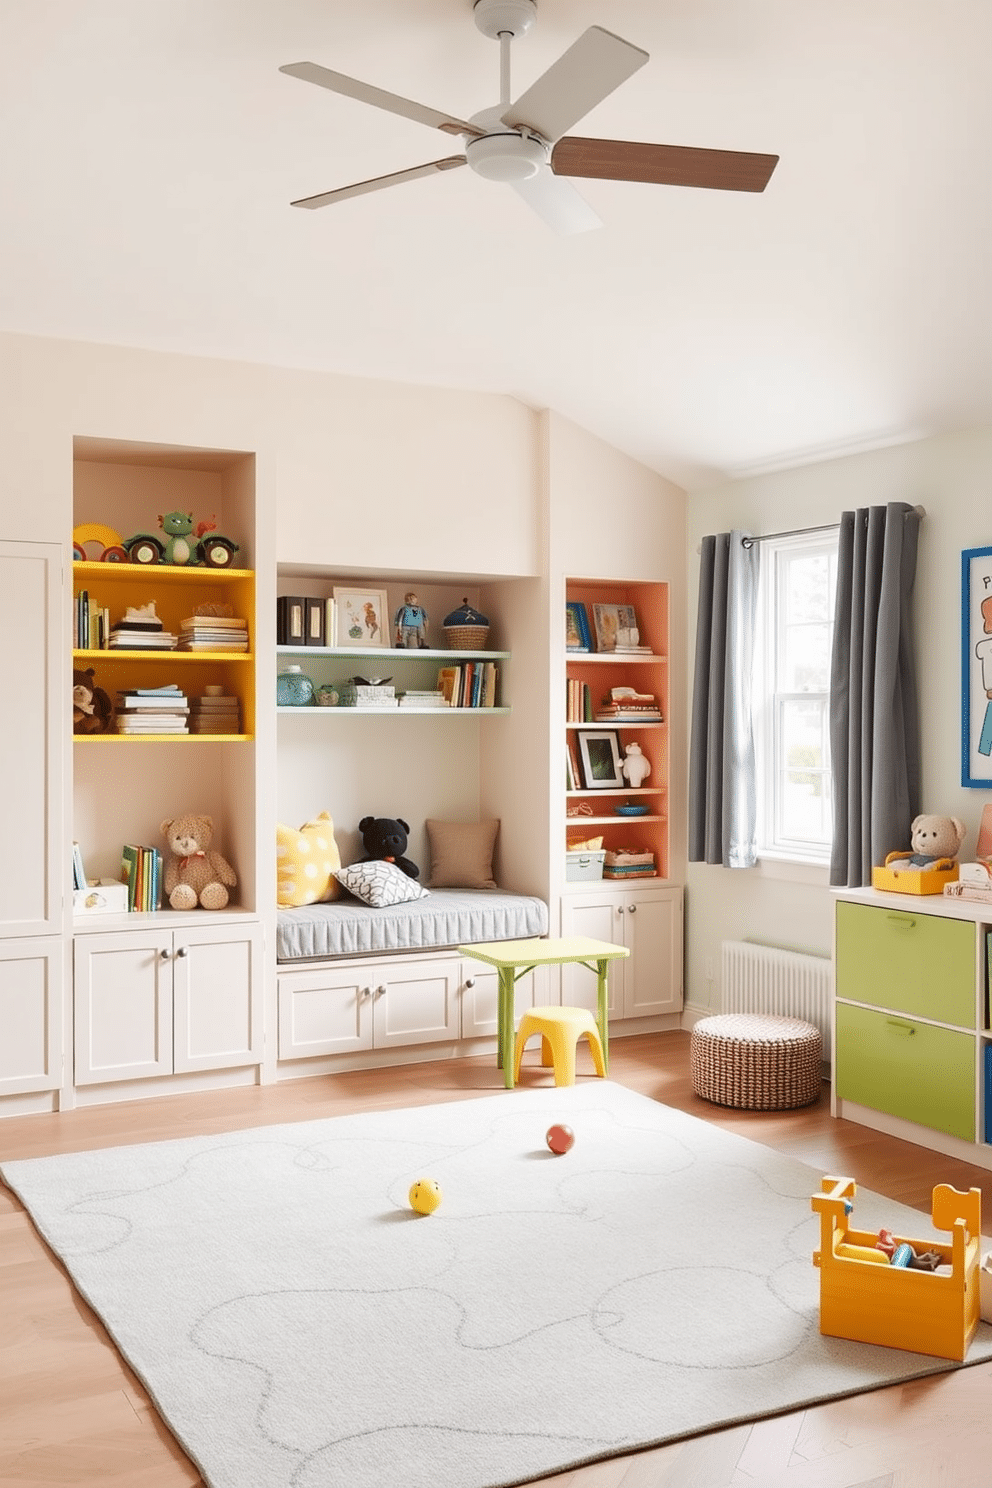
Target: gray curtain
(874,706)
(722,809)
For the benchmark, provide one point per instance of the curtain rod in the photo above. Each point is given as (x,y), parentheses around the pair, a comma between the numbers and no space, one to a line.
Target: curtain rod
(748,542)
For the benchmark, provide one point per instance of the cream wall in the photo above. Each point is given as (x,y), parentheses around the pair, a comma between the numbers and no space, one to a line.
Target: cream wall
(951,476)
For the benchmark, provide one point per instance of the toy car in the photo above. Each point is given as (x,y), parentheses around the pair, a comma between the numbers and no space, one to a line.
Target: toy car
(216,551)
(144,548)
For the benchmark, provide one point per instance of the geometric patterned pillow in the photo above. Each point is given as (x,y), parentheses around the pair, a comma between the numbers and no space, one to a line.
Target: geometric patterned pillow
(306,861)
(379,883)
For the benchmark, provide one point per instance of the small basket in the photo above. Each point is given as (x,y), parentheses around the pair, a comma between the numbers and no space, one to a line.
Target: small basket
(465,629)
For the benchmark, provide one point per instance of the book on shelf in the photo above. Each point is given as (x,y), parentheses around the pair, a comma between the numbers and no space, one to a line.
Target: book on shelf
(987,1092)
(315,622)
(291,620)
(330,623)
(974,893)
(141,870)
(427,699)
(78,871)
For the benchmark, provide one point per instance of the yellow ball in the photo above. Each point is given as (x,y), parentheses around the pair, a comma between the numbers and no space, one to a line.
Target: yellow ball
(425,1195)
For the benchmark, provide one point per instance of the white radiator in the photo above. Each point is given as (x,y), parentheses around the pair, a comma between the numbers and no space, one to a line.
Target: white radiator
(763,979)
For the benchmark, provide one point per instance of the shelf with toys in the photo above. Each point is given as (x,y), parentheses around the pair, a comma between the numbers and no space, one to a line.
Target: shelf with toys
(616,718)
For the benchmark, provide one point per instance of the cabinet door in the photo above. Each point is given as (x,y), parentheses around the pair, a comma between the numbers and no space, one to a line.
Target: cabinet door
(31,748)
(123,1005)
(328,1011)
(30,1015)
(909,1069)
(653,974)
(480,997)
(217,995)
(601,915)
(915,963)
(414,1002)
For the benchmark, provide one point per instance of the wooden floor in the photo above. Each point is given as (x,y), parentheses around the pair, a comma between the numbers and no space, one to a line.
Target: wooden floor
(71,1412)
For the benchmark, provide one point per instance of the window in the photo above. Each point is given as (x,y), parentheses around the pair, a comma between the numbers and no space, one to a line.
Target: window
(796,587)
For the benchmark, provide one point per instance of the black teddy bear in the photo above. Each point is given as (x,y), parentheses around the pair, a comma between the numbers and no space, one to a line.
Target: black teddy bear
(385,839)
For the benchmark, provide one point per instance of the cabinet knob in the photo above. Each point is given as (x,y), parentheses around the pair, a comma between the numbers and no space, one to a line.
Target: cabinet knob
(470,982)
(619,909)
(631,908)
(364,993)
(163,955)
(182,951)
(379,991)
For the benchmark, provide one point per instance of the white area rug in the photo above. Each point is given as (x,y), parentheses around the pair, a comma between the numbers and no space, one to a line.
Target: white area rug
(298,1325)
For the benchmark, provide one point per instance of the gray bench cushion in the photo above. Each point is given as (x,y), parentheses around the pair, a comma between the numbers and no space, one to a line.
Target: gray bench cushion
(446,917)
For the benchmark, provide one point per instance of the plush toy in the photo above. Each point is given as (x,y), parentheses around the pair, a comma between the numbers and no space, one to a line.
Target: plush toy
(92,710)
(195,874)
(385,838)
(178,528)
(933,839)
(635,768)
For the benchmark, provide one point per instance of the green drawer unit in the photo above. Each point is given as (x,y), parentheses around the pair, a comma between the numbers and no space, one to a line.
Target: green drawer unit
(913,963)
(913,1070)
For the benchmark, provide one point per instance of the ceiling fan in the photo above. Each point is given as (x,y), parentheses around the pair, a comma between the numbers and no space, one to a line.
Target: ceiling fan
(525,144)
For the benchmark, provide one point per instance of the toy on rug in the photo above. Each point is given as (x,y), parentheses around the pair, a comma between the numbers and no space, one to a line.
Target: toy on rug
(385,839)
(195,873)
(560,1138)
(425,1195)
(92,710)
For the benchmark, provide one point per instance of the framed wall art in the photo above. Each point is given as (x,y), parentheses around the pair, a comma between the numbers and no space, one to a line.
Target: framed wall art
(361,618)
(600,754)
(976,668)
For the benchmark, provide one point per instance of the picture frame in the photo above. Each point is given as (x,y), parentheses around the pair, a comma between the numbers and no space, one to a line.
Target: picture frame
(578,636)
(616,627)
(976,668)
(362,618)
(599,751)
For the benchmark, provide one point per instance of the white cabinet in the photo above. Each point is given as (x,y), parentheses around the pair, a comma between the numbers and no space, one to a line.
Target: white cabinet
(167,1001)
(480,997)
(648,921)
(30,1015)
(348,1006)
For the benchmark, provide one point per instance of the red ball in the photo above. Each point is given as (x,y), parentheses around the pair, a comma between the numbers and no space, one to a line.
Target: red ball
(559,1138)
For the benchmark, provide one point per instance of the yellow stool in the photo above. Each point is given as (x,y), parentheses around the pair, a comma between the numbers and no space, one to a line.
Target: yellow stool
(560,1029)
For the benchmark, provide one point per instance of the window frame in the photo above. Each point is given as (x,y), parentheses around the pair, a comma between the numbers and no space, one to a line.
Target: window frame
(768,699)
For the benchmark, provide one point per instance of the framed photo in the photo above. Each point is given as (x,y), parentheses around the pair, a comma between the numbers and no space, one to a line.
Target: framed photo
(361,618)
(616,627)
(976,668)
(577,634)
(600,753)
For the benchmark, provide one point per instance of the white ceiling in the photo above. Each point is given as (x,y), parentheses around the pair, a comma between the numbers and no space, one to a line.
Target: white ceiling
(151,149)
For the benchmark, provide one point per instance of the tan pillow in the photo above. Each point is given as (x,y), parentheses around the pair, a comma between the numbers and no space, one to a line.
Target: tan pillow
(462,854)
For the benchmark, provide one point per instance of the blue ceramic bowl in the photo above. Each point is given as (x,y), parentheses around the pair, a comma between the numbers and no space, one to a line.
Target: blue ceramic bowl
(630,810)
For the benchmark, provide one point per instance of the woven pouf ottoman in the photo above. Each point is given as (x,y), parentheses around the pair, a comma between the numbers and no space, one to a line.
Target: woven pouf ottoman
(756,1062)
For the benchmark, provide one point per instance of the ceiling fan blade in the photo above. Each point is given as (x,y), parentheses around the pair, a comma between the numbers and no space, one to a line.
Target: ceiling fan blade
(377,183)
(583,76)
(339,82)
(557,202)
(662,165)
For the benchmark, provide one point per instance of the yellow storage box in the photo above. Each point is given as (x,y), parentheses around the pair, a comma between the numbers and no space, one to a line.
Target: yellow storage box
(914,880)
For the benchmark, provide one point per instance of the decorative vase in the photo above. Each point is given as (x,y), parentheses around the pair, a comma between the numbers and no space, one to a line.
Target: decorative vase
(294,688)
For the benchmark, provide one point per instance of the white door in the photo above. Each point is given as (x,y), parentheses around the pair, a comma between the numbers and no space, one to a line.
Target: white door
(414,1002)
(217,996)
(653,974)
(122,991)
(600,914)
(30,1015)
(34,879)
(325,1012)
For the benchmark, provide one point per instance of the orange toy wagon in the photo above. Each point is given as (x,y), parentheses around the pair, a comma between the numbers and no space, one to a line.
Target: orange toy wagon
(927,1312)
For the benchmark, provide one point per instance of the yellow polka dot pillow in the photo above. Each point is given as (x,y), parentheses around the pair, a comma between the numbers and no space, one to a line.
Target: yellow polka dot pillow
(306,862)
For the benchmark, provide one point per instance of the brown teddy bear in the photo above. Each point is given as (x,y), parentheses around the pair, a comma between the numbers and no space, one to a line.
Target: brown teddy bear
(195,874)
(92,710)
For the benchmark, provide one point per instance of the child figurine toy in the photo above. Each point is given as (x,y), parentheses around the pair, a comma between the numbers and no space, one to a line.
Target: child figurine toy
(411,624)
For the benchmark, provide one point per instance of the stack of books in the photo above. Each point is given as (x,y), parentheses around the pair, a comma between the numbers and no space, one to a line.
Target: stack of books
(367,695)
(90,624)
(213,633)
(470,685)
(152,710)
(625,705)
(215,714)
(428,699)
(146,633)
(624,862)
(141,870)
